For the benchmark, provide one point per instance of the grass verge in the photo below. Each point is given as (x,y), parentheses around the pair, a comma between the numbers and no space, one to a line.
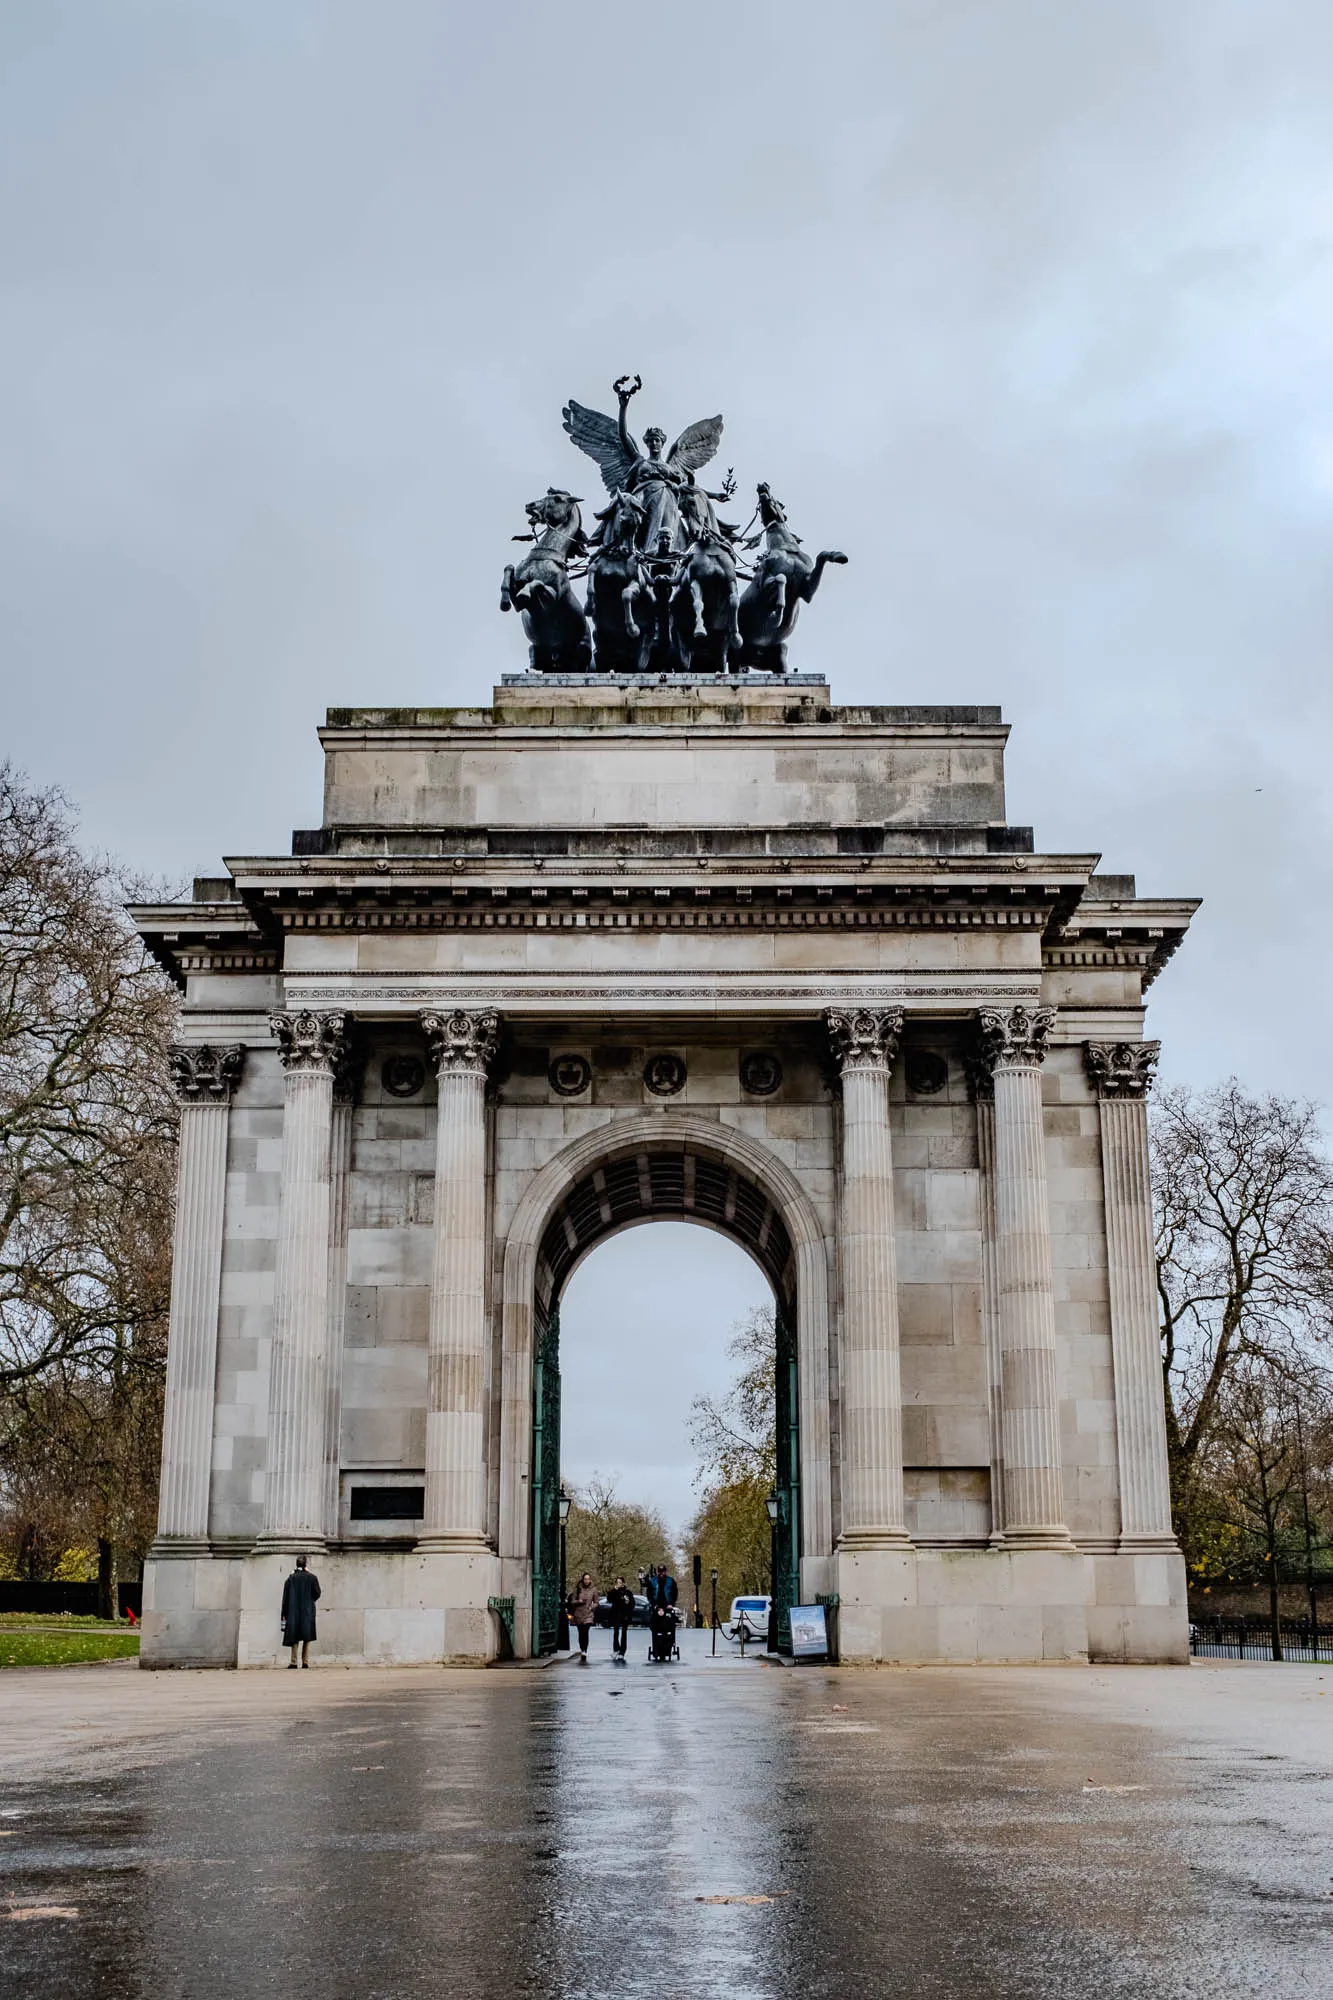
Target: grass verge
(63,1642)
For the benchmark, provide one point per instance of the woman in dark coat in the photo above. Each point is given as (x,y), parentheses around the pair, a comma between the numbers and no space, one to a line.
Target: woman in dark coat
(299,1594)
(582,1611)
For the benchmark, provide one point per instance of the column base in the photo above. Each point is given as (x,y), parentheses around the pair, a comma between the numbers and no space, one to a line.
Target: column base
(452,1545)
(1148,1545)
(1054,1537)
(179,1548)
(290,1545)
(867,1541)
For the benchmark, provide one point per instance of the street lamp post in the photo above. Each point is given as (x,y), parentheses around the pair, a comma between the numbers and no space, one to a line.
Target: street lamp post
(772,1505)
(698,1579)
(562,1640)
(714,1614)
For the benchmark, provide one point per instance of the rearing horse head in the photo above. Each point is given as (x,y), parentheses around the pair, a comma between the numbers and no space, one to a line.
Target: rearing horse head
(623,518)
(555,509)
(771,510)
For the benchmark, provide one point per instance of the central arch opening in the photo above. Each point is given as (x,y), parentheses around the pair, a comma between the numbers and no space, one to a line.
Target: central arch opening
(649,1184)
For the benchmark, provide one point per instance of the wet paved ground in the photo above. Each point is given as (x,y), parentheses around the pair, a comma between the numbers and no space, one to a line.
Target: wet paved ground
(1047,1833)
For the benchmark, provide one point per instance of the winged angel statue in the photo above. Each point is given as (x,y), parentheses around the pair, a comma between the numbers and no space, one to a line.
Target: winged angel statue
(659,482)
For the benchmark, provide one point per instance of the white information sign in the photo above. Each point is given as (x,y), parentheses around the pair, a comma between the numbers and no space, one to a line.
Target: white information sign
(809,1634)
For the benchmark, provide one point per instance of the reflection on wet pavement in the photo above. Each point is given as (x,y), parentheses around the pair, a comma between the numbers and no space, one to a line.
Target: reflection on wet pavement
(684,1831)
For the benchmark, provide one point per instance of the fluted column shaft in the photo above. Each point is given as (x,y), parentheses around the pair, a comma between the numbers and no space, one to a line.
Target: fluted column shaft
(204,1080)
(462,1046)
(990,1302)
(340,1166)
(870,1384)
(294,1499)
(1030,1419)
(1121,1073)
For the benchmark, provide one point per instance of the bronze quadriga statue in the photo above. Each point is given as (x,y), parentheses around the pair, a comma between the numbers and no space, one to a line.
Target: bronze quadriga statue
(663,574)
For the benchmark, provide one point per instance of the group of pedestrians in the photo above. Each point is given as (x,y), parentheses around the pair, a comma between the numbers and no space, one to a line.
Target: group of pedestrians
(581,1607)
(300,1593)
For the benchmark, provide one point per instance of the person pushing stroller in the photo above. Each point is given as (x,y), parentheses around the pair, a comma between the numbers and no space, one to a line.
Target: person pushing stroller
(661,1592)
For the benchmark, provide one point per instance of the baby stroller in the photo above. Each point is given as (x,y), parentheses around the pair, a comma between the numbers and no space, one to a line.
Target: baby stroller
(662,1624)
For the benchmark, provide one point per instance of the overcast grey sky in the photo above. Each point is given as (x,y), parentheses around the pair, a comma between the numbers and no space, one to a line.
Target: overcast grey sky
(1024,303)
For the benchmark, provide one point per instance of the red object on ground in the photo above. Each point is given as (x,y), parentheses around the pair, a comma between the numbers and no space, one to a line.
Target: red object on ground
(129,1613)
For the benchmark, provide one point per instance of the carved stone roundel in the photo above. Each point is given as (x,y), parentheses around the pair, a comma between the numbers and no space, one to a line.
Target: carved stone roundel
(927,1073)
(761,1073)
(664,1075)
(569,1075)
(403,1076)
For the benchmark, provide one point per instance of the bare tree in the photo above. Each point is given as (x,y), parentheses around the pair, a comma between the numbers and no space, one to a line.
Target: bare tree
(611,1537)
(735,1436)
(87,1144)
(1244,1195)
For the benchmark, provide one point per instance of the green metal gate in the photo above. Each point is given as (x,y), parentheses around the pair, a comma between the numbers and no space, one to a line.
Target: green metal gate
(787,1538)
(546,1488)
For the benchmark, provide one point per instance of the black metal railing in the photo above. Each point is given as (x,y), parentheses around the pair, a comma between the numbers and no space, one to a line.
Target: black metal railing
(1252,1639)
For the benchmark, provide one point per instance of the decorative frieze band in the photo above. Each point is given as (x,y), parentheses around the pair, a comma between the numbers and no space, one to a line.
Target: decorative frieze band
(462,1043)
(1013,1037)
(864,1038)
(204,1074)
(1121,1069)
(310,1041)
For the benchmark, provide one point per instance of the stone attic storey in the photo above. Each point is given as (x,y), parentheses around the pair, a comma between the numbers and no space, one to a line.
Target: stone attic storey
(614,949)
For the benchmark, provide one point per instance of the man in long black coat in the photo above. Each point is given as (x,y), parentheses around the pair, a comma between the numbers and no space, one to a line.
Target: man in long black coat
(299,1595)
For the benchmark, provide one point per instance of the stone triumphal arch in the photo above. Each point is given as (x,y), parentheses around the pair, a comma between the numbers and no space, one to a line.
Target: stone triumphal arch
(614,948)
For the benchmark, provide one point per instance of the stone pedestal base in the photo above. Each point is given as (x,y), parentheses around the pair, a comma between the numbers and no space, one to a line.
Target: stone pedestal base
(1009,1606)
(1138,1610)
(390,1608)
(963,1606)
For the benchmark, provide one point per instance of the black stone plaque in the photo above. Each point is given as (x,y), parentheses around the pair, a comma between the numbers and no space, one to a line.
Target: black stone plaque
(388,1503)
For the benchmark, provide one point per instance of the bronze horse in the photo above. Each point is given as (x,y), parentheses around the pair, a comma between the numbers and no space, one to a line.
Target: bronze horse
(706,604)
(785,579)
(540,590)
(620,607)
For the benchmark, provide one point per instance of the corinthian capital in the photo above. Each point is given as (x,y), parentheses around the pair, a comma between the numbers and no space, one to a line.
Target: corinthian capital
(462,1044)
(1013,1037)
(206,1075)
(864,1038)
(310,1041)
(1121,1069)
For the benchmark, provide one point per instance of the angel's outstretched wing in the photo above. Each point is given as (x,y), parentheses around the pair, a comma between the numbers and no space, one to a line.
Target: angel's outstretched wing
(696,445)
(599,436)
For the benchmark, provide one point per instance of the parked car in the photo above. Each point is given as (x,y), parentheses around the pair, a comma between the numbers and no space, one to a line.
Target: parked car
(750,1615)
(602,1615)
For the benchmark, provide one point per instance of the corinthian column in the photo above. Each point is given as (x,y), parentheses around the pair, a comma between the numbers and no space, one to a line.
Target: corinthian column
(864,1045)
(204,1078)
(462,1046)
(312,1046)
(1013,1046)
(1121,1074)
